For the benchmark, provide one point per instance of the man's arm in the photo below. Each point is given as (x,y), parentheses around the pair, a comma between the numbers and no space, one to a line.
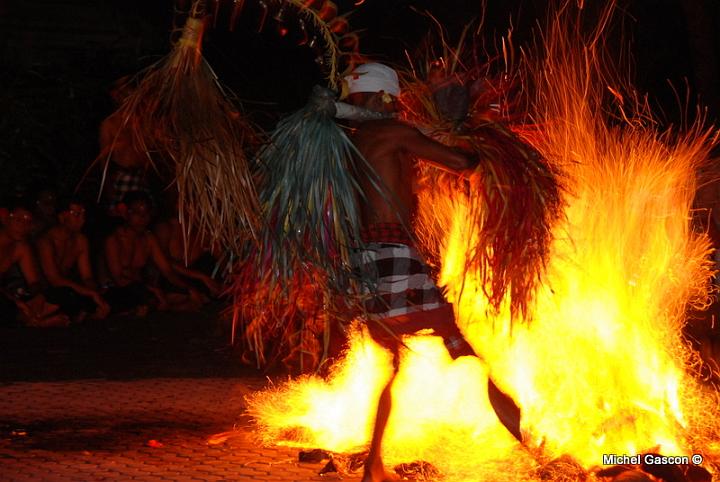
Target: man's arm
(114,263)
(441,156)
(28,266)
(213,286)
(54,275)
(163,264)
(52,271)
(84,266)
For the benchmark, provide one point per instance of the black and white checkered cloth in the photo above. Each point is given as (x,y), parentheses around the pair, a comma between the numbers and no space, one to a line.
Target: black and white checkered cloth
(126,181)
(402,282)
(405,300)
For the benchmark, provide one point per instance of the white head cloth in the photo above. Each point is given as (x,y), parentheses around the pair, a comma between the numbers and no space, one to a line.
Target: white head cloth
(373,77)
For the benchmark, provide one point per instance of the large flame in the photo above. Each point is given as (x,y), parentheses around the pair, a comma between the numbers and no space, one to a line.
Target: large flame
(602,367)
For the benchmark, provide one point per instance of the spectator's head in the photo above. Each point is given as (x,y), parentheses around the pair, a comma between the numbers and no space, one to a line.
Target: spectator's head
(46,203)
(136,209)
(71,214)
(16,215)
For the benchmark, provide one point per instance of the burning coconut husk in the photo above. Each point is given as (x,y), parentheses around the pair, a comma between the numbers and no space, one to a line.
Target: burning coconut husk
(603,368)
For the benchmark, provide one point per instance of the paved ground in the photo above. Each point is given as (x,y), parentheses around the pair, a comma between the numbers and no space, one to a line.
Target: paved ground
(140,400)
(159,399)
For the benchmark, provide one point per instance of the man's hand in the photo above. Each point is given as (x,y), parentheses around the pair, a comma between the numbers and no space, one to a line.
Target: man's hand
(197,297)
(213,286)
(103,309)
(323,100)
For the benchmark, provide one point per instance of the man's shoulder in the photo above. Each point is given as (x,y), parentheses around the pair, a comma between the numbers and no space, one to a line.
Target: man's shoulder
(386,131)
(385,124)
(5,238)
(13,248)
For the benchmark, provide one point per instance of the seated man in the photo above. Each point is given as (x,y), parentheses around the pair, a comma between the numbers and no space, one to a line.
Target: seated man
(187,254)
(20,282)
(130,250)
(65,261)
(45,211)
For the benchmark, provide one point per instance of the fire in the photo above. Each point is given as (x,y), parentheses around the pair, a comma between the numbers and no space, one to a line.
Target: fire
(602,367)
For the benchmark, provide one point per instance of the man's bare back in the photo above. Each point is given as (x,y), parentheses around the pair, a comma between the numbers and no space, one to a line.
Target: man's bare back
(392,147)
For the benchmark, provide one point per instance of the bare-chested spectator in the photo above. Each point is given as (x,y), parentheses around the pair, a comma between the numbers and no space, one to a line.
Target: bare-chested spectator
(64,255)
(45,211)
(130,250)
(189,255)
(20,280)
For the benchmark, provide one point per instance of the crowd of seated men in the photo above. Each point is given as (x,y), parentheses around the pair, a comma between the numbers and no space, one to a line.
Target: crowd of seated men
(57,270)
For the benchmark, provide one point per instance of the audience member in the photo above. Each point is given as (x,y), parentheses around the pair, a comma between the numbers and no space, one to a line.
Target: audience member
(45,210)
(187,254)
(130,250)
(20,281)
(65,260)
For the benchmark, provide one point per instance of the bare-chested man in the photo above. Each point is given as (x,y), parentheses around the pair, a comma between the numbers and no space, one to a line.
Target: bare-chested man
(188,255)
(128,252)
(21,281)
(65,261)
(407,299)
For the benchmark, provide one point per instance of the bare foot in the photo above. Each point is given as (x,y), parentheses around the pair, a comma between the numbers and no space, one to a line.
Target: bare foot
(375,472)
(53,320)
(142,311)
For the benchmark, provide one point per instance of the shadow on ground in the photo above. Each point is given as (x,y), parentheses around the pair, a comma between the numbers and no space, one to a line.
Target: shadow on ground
(123,347)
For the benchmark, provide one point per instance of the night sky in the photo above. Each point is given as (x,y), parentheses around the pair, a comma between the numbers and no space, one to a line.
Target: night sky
(59,58)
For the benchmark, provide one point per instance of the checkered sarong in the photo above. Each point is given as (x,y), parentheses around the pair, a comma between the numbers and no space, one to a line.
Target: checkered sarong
(402,282)
(405,300)
(386,233)
(126,181)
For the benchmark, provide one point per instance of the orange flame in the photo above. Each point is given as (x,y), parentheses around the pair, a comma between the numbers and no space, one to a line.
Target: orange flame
(602,367)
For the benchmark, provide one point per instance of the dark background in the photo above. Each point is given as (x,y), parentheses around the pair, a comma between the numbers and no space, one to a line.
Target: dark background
(58,59)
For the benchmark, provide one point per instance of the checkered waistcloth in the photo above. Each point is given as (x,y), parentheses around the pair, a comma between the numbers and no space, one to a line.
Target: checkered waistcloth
(404,298)
(401,280)
(126,181)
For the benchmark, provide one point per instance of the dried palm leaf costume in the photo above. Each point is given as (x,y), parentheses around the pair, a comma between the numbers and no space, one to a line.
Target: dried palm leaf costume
(178,112)
(291,216)
(318,268)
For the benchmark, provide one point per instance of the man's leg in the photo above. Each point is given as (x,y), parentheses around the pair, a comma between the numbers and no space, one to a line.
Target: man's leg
(374,469)
(504,406)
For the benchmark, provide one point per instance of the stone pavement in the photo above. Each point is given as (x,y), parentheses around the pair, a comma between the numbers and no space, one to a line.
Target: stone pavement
(140,400)
(142,430)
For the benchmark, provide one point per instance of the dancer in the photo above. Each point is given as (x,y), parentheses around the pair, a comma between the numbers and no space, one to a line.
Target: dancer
(406,299)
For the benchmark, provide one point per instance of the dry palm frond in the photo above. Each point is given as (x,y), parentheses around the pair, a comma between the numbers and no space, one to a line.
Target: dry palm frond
(309,198)
(339,43)
(279,323)
(181,113)
(515,197)
(303,270)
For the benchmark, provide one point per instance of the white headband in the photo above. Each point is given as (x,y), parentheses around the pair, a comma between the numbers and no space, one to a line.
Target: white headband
(373,77)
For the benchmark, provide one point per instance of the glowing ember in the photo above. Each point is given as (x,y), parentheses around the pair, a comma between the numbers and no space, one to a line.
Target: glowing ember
(602,367)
